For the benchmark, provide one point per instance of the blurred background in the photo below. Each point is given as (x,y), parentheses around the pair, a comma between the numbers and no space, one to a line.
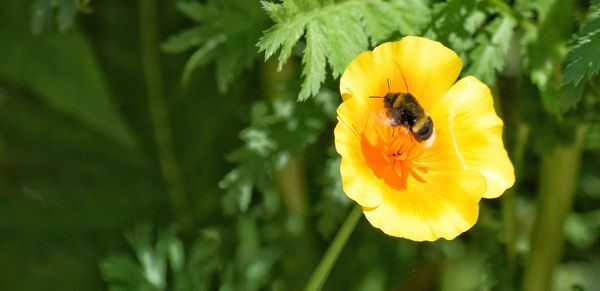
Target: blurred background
(159,145)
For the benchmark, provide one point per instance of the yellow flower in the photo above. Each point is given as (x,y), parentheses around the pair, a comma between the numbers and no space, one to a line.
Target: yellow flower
(419,190)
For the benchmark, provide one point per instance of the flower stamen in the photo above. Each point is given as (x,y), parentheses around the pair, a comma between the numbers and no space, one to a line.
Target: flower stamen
(391,154)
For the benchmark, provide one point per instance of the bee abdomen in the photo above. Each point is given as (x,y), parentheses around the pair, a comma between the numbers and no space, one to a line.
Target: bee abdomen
(424,129)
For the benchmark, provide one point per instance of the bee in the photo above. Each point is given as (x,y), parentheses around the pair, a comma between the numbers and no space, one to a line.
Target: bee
(403,109)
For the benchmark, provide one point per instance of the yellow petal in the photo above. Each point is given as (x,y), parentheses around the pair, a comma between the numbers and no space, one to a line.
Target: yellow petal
(358,181)
(426,67)
(442,207)
(467,113)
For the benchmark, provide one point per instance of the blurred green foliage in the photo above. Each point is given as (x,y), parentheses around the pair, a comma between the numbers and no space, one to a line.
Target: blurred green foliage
(85,203)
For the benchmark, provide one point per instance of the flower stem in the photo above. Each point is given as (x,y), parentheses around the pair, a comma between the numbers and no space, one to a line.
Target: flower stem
(158,108)
(558,177)
(290,178)
(322,271)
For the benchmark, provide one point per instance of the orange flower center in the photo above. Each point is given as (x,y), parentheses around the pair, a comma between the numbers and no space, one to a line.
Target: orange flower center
(392,154)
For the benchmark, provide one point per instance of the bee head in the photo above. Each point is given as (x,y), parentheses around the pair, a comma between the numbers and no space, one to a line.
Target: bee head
(389,99)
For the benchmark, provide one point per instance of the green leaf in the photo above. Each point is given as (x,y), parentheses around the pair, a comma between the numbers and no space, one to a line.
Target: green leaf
(581,230)
(44,12)
(185,40)
(279,36)
(121,271)
(278,128)
(201,56)
(314,60)
(582,61)
(62,70)
(235,57)
(336,32)
(149,271)
(377,25)
(488,57)
(347,45)
(448,19)
(578,275)
(226,36)
(545,47)
(410,15)
(194,10)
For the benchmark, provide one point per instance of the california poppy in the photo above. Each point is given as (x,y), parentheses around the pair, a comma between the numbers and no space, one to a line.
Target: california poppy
(406,187)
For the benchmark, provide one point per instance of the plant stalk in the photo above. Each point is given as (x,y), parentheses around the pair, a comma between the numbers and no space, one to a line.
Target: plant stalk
(337,245)
(170,170)
(290,178)
(558,177)
(291,181)
(509,200)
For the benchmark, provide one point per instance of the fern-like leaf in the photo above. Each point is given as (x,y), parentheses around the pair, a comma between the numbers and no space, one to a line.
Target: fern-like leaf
(226,35)
(449,19)
(335,32)
(488,57)
(582,60)
(47,11)
(545,43)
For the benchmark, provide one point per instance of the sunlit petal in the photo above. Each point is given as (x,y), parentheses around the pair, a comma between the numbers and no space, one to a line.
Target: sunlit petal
(426,67)
(467,111)
(443,207)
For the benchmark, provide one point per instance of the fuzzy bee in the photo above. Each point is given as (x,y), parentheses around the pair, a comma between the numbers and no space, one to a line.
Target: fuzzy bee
(403,109)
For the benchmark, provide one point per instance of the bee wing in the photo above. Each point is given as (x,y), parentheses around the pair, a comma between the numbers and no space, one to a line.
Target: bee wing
(380,117)
(374,118)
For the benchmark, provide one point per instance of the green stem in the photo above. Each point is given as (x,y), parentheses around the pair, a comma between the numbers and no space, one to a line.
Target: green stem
(290,178)
(558,177)
(508,199)
(301,250)
(322,271)
(292,183)
(158,107)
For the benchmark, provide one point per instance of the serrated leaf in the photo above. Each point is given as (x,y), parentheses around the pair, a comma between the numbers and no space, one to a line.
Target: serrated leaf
(226,36)
(448,18)
(40,17)
(279,128)
(45,11)
(582,57)
(276,36)
(314,61)
(410,16)
(582,61)
(276,12)
(488,57)
(185,40)
(545,48)
(346,28)
(120,269)
(200,57)
(378,26)
(233,61)
(570,96)
(66,14)
(292,38)
(193,10)
(347,39)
